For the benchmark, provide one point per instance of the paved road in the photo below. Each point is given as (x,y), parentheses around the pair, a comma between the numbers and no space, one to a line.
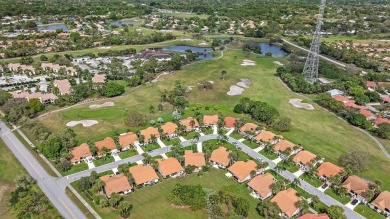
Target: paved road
(53,188)
(321,56)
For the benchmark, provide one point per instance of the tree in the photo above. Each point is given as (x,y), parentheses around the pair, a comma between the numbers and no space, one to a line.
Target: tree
(115,199)
(147,158)
(342,190)
(151,109)
(303,204)
(283,124)
(125,207)
(113,89)
(105,151)
(160,107)
(268,209)
(335,212)
(383,130)
(4,96)
(189,169)
(223,74)
(135,119)
(43,58)
(356,161)
(36,105)
(64,165)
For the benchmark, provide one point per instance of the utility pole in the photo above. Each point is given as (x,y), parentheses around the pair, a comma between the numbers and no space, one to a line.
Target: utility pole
(310,71)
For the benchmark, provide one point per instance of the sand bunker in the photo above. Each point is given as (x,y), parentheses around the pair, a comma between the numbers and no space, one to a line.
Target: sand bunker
(203,44)
(95,106)
(235,90)
(186,40)
(105,47)
(85,123)
(278,63)
(297,103)
(247,62)
(244,83)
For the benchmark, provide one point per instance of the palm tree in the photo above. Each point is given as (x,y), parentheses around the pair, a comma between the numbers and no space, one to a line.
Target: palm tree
(278,169)
(223,74)
(261,166)
(147,158)
(296,182)
(125,207)
(342,190)
(335,181)
(106,152)
(153,138)
(115,199)
(303,204)
(253,173)
(141,139)
(196,137)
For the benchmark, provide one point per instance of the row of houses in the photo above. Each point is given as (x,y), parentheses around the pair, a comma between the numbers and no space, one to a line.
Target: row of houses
(28,69)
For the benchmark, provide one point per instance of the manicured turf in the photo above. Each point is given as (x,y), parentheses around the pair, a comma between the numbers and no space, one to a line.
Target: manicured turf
(75,168)
(190,135)
(288,166)
(312,181)
(271,156)
(332,193)
(102,161)
(236,135)
(129,153)
(181,151)
(316,130)
(368,212)
(150,147)
(251,144)
(171,141)
(154,198)
(320,207)
(301,192)
(208,131)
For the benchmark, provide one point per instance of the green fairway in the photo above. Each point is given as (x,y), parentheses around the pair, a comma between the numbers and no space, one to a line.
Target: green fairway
(316,130)
(155,198)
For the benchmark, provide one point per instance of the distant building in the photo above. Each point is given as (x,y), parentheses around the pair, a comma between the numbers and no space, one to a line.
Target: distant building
(63,86)
(45,98)
(80,59)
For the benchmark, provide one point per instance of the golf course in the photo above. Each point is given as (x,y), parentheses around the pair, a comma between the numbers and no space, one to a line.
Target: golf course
(316,130)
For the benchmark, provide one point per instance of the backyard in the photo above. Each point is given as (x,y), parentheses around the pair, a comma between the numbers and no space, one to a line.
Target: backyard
(316,130)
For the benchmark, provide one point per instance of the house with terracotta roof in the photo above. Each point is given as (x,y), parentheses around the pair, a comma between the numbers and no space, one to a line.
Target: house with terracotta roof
(99,78)
(144,174)
(340,98)
(170,129)
(287,201)
(195,159)
(371,85)
(190,123)
(327,170)
(385,99)
(109,143)
(248,127)
(382,203)
(117,183)
(381,120)
(260,186)
(266,137)
(210,120)
(305,159)
(147,133)
(63,86)
(44,98)
(356,186)
(80,153)
(314,216)
(284,146)
(220,158)
(126,140)
(170,167)
(241,170)
(368,114)
(351,103)
(230,122)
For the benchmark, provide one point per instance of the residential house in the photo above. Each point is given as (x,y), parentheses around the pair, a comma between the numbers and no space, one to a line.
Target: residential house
(248,127)
(190,123)
(381,120)
(352,103)
(340,98)
(241,170)
(20,68)
(170,129)
(382,203)
(266,137)
(230,122)
(314,216)
(305,159)
(45,98)
(147,133)
(143,174)
(117,183)
(63,86)
(80,153)
(109,143)
(327,170)
(371,85)
(260,186)
(335,92)
(368,114)
(81,59)
(170,167)
(195,159)
(356,186)
(98,80)
(283,146)
(210,120)
(127,140)
(287,201)
(220,158)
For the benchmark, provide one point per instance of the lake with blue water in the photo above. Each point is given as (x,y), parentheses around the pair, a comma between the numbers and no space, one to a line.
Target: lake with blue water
(51,27)
(276,51)
(194,49)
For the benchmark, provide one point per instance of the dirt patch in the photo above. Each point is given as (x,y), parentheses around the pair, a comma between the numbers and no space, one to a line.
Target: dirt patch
(85,123)
(106,104)
(247,62)
(235,90)
(297,103)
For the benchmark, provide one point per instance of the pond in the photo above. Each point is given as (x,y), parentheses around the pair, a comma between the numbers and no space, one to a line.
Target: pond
(194,49)
(274,49)
(122,22)
(51,27)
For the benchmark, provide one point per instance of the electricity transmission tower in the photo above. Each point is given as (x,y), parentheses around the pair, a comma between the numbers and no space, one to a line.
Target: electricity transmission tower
(310,71)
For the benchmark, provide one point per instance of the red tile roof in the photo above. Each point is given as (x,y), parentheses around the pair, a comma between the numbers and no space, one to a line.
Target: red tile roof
(314,216)
(328,169)
(283,145)
(230,122)
(169,166)
(340,98)
(80,152)
(248,127)
(366,113)
(108,142)
(127,139)
(382,201)
(220,156)
(242,169)
(304,157)
(262,184)
(195,159)
(265,136)
(210,120)
(187,123)
(117,183)
(286,200)
(143,173)
(147,133)
(356,184)
(381,120)
(169,128)
(371,84)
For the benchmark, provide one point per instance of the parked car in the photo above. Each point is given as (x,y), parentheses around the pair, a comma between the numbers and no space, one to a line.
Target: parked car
(354,202)
(324,186)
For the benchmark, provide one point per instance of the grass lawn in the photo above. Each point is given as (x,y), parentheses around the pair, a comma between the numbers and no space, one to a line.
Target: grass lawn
(171,141)
(190,135)
(181,151)
(101,161)
(301,192)
(150,147)
(367,212)
(316,130)
(251,144)
(236,135)
(75,168)
(80,205)
(313,181)
(334,194)
(208,131)
(288,166)
(320,207)
(271,156)
(155,198)
(129,153)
